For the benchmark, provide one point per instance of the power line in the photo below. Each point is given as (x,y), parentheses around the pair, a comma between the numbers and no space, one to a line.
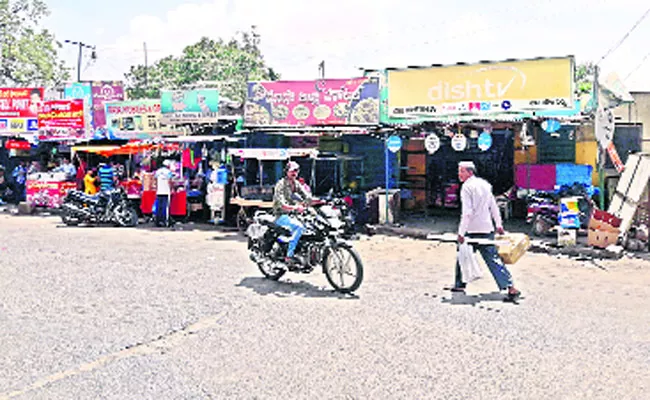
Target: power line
(637,67)
(613,49)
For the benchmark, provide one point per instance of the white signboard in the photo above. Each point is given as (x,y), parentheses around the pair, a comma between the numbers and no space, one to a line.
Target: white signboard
(432,143)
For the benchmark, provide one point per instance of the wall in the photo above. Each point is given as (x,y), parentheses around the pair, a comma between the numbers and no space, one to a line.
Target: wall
(638,112)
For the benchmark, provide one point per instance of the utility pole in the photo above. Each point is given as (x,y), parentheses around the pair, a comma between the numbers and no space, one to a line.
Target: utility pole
(146,67)
(79,58)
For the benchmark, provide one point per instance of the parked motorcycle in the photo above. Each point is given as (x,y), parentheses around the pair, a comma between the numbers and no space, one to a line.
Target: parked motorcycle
(105,207)
(341,206)
(320,246)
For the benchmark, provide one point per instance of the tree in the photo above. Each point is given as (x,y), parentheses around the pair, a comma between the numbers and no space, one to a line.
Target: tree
(29,55)
(584,76)
(229,64)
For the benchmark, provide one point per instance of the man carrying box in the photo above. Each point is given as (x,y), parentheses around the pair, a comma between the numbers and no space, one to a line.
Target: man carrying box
(479,210)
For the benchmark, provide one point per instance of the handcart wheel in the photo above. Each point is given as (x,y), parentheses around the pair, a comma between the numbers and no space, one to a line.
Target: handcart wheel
(242,220)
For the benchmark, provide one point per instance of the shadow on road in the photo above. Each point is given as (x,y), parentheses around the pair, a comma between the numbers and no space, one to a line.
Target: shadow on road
(267,287)
(463,299)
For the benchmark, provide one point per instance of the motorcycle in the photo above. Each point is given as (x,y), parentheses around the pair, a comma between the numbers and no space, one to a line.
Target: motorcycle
(320,246)
(110,206)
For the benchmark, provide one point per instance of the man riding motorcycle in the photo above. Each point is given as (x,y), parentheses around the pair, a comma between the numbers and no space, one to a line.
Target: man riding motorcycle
(285,201)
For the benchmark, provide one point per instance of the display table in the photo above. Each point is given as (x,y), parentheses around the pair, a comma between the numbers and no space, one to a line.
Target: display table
(47,189)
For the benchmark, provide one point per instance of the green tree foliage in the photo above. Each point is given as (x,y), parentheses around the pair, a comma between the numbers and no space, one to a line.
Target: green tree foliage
(584,76)
(29,55)
(231,64)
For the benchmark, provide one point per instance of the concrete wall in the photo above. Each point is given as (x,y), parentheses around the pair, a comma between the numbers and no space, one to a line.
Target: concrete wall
(638,112)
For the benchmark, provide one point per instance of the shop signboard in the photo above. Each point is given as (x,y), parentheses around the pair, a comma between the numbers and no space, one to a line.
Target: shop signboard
(57,114)
(189,106)
(104,92)
(81,90)
(490,87)
(19,109)
(313,103)
(133,119)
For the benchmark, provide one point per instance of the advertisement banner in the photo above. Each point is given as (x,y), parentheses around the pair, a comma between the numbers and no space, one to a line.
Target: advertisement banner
(19,109)
(189,106)
(133,119)
(79,90)
(540,84)
(62,114)
(313,103)
(104,92)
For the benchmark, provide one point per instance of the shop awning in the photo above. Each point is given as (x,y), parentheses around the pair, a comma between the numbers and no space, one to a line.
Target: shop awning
(94,149)
(203,138)
(273,154)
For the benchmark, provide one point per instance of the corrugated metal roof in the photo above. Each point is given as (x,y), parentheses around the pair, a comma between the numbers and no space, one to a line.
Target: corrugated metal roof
(461,63)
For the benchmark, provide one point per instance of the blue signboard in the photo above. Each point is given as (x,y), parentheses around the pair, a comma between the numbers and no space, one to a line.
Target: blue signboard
(394,143)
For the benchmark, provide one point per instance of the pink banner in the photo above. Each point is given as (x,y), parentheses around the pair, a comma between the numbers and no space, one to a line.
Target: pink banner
(313,103)
(48,194)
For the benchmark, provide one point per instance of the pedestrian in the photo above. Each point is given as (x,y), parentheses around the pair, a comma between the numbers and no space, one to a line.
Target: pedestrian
(68,169)
(480,214)
(106,177)
(19,176)
(90,182)
(163,193)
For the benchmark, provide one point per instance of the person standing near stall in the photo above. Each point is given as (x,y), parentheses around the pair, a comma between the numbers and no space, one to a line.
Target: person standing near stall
(163,193)
(106,177)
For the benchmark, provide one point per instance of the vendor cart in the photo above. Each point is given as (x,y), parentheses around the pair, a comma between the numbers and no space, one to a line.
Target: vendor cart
(250,198)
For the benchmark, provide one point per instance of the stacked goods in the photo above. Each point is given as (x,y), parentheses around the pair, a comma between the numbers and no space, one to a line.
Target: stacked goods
(604,229)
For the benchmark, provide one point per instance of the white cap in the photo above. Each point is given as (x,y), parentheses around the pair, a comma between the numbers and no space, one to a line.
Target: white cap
(467,164)
(293,166)
(167,163)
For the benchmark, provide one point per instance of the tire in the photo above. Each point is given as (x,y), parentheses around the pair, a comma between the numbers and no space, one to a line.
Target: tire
(540,227)
(242,220)
(125,216)
(334,253)
(68,219)
(265,266)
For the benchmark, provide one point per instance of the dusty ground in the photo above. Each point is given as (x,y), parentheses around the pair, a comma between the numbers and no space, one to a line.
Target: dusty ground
(90,313)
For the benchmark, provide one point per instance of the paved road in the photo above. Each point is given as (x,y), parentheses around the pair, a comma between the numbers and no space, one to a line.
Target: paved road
(106,313)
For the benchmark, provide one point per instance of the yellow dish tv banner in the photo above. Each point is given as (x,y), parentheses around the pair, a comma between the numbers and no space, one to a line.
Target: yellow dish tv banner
(540,84)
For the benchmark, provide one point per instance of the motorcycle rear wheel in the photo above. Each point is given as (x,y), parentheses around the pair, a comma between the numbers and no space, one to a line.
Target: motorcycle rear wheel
(337,265)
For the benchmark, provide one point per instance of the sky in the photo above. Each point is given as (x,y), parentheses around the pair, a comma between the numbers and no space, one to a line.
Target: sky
(353,34)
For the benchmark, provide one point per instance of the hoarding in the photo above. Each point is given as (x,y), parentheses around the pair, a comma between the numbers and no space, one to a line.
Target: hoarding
(189,106)
(19,109)
(133,119)
(81,90)
(539,84)
(313,103)
(62,114)
(104,92)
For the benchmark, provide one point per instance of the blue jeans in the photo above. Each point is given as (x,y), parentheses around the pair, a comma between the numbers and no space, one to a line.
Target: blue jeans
(162,203)
(491,256)
(296,229)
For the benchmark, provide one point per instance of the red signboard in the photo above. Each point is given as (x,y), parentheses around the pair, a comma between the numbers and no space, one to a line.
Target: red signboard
(62,114)
(17,145)
(50,194)
(20,102)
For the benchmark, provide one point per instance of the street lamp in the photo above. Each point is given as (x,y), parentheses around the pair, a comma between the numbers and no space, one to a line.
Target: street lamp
(81,47)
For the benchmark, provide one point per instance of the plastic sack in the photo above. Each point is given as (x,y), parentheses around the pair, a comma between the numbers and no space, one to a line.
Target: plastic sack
(469,266)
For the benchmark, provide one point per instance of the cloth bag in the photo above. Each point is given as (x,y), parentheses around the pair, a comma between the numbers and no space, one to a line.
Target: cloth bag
(469,266)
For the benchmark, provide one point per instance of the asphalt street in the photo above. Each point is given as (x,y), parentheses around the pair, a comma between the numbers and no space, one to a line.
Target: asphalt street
(109,313)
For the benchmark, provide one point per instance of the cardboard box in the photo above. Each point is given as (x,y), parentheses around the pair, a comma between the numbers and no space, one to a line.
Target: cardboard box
(604,216)
(518,244)
(567,237)
(602,239)
(598,225)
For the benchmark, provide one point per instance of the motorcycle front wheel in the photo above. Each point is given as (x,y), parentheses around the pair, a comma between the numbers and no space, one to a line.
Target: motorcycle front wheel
(343,269)
(68,219)
(125,216)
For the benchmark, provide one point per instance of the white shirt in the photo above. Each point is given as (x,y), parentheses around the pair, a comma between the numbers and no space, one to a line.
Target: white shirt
(479,207)
(163,175)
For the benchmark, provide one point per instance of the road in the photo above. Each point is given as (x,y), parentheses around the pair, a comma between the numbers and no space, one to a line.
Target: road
(108,313)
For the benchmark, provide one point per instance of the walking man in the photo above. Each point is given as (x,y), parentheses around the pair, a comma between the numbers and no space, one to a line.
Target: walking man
(163,193)
(480,214)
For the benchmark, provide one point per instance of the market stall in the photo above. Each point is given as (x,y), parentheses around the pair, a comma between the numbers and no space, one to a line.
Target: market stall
(249,198)
(47,189)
